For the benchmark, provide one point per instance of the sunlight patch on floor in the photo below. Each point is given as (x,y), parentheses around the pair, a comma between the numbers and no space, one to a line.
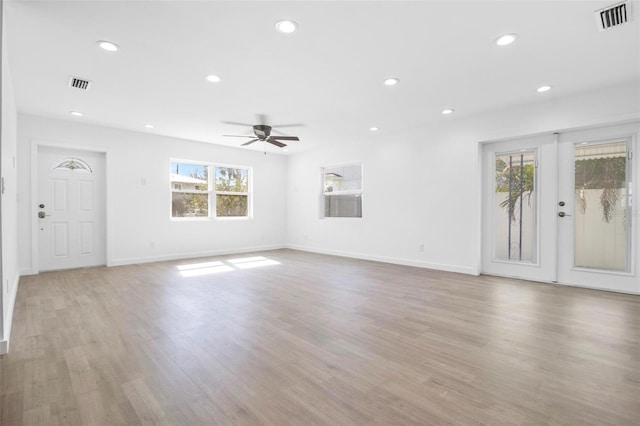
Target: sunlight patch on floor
(207,268)
(252,262)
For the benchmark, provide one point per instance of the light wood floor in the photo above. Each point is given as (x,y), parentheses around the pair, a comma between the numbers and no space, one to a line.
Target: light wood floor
(316,340)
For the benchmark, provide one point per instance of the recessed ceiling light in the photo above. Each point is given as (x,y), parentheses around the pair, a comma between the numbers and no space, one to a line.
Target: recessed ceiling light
(285,150)
(374,129)
(286,26)
(149,126)
(542,89)
(447,111)
(108,45)
(213,78)
(506,39)
(76,113)
(391,81)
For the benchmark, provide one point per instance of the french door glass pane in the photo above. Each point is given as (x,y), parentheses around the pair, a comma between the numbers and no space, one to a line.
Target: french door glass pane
(515,207)
(601,212)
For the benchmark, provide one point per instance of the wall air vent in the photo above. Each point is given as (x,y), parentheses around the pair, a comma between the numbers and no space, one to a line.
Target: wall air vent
(79,83)
(613,15)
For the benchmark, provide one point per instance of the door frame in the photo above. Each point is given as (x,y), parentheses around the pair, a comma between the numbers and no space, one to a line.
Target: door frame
(35,243)
(634,138)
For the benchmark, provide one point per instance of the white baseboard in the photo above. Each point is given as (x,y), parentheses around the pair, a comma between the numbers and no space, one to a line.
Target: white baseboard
(395,260)
(4,344)
(191,255)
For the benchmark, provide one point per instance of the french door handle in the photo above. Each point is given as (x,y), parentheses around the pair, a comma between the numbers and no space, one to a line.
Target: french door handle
(563,214)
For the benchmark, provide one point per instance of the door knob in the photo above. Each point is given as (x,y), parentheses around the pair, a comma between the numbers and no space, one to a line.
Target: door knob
(42,215)
(563,214)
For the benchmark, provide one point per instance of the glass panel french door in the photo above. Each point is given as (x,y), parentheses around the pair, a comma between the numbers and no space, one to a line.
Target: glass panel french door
(518,184)
(597,226)
(560,208)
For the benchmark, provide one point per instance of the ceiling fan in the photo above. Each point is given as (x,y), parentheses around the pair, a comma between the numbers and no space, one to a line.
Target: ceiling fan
(262,132)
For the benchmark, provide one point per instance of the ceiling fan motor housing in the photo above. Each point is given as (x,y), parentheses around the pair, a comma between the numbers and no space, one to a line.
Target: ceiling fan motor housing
(262,131)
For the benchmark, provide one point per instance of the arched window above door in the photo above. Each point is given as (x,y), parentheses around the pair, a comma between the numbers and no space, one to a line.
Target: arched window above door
(72,164)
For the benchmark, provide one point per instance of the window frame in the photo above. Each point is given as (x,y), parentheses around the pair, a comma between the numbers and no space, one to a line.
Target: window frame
(248,194)
(356,192)
(211,191)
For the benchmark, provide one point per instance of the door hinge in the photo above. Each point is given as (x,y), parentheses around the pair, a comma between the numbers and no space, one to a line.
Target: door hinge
(535,164)
(2,187)
(630,155)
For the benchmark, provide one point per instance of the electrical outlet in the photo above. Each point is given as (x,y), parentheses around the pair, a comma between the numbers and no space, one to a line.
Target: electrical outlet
(152,244)
(420,248)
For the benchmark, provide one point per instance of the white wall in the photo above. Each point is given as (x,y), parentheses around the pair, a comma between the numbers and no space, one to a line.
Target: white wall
(423,186)
(139,199)
(9,201)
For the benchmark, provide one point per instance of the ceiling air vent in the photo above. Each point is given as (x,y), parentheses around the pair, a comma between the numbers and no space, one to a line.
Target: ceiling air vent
(613,16)
(79,83)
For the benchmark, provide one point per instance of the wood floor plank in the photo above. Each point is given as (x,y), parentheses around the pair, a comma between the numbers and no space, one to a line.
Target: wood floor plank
(309,339)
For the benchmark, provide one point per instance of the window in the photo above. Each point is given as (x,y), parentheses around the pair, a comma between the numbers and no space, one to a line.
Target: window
(342,191)
(196,194)
(232,192)
(189,190)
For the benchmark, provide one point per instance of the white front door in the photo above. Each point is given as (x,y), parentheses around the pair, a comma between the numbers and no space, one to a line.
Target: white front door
(561,209)
(71,208)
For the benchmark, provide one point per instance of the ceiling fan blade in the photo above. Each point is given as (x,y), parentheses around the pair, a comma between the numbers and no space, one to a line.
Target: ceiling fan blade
(286,138)
(240,136)
(276,143)
(250,142)
(288,125)
(235,123)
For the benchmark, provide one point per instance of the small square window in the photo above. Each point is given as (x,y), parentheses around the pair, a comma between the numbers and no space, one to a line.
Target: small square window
(342,191)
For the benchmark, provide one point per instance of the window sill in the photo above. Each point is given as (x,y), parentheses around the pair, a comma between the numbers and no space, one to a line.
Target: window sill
(209,219)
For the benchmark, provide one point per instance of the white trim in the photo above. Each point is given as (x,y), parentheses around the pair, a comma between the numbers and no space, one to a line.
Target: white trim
(384,259)
(476,255)
(556,199)
(612,290)
(193,255)
(345,192)
(4,344)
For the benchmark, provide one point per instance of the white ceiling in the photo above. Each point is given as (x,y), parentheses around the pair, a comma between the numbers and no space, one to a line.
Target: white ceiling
(328,75)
